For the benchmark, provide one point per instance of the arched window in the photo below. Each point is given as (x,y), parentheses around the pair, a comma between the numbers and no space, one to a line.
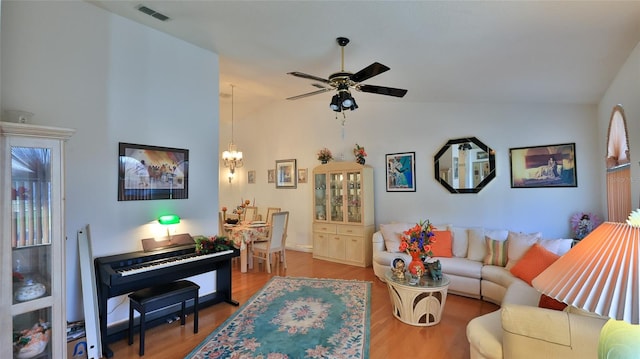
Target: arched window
(618,168)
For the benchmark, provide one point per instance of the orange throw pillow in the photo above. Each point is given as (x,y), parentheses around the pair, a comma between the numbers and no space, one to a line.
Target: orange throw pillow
(550,303)
(535,260)
(442,245)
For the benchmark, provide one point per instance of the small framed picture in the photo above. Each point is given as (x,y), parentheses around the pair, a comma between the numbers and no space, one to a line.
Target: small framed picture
(286,174)
(543,166)
(401,172)
(302,175)
(251,176)
(271,176)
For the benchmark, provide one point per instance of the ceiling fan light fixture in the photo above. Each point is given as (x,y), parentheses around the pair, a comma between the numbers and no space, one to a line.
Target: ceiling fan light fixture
(354,105)
(335,104)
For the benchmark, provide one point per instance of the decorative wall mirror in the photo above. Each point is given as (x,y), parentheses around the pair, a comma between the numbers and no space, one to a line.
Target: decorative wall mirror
(465,165)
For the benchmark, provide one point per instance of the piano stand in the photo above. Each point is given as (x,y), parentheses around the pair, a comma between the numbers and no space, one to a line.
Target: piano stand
(112,283)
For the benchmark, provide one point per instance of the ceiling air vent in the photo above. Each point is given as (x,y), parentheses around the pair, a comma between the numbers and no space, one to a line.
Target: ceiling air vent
(153,13)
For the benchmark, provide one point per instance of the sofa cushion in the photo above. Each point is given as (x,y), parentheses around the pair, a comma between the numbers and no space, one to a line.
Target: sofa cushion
(392,234)
(557,246)
(477,249)
(533,262)
(498,275)
(461,267)
(519,243)
(496,252)
(441,246)
(460,241)
(477,244)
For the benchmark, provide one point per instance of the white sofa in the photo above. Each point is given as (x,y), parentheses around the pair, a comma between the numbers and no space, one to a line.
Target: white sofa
(468,274)
(522,330)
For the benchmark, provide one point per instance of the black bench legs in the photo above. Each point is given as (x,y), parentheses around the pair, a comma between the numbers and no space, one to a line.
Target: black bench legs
(161,296)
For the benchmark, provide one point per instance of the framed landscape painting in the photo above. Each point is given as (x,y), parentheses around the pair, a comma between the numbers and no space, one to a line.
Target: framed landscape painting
(286,174)
(152,172)
(401,172)
(543,166)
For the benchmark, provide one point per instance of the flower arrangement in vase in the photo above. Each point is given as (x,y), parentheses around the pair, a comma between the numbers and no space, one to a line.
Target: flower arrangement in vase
(416,241)
(360,154)
(325,155)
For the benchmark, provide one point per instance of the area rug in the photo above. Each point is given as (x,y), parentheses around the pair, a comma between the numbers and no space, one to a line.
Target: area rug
(296,318)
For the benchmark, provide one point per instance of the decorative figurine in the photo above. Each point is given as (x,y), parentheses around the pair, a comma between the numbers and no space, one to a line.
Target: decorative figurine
(435,269)
(398,268)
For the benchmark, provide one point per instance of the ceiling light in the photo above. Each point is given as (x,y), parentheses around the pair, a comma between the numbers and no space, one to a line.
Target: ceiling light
(232,157)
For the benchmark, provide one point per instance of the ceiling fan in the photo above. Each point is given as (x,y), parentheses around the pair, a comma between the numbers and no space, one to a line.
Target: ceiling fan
(342,81)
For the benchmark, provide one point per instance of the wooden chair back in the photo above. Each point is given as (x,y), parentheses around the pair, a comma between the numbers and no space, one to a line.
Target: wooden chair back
(249,214)
(270,212)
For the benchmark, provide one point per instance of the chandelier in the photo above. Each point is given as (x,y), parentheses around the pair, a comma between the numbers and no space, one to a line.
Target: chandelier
(232,157)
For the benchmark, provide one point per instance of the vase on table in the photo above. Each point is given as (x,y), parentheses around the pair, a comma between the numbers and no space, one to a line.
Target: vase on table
(416,266)
(324,162)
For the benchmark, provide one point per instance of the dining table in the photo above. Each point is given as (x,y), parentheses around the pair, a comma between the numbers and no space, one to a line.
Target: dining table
(243,234)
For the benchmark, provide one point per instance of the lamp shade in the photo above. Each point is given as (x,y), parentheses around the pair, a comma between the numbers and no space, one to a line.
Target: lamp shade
(600,274)
(168,219)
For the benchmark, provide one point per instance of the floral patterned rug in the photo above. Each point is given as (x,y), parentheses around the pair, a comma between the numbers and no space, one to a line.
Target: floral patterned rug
(296,318)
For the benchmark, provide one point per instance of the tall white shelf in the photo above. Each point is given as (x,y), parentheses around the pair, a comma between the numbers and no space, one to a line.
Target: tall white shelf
(32,242)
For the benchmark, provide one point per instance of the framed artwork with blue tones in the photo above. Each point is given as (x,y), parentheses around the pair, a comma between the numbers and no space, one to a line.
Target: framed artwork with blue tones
(401,172)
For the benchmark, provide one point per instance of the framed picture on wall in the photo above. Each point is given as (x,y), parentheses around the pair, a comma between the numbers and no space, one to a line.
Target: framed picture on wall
(302,175)
(271,176)
(401,172)
(286,174)
(251,176)
(543,166)
(152,172)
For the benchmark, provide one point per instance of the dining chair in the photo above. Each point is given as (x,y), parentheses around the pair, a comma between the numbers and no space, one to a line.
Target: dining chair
(221,230)
(275,243)
(270,211)
(249,214)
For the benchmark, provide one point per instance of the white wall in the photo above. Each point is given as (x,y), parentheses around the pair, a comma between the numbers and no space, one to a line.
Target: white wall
(298,129)
(75,65)
(625,91)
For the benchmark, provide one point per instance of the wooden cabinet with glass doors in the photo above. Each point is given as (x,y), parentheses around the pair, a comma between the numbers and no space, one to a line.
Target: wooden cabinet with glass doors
(343,213)
(32,249)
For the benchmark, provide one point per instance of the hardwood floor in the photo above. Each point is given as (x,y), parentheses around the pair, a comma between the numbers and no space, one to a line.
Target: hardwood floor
(390,338)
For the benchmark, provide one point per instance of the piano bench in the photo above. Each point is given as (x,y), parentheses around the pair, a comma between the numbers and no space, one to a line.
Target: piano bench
(153,298)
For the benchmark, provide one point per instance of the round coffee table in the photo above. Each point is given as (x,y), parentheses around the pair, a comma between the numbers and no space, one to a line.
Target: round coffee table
(419,304)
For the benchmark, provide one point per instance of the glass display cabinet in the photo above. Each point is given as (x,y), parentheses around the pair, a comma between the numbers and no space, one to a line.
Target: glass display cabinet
(32,258)
(343,213)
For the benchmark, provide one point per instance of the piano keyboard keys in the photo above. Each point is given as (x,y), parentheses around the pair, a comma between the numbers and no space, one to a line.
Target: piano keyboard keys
(168,263)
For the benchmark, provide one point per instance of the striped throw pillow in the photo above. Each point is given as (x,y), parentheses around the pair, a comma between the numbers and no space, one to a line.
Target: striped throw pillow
(496,252)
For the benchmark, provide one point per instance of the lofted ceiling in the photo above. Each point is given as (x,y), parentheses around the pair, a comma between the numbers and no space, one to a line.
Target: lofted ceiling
(441,51)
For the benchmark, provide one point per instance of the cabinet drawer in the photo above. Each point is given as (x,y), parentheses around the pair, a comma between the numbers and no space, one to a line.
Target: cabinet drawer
(324,227)
(350,230)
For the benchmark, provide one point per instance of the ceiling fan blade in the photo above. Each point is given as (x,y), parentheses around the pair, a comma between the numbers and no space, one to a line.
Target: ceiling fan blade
(368,72)
(389,91)
(310,93)
(307,76)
